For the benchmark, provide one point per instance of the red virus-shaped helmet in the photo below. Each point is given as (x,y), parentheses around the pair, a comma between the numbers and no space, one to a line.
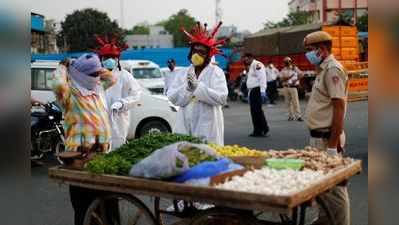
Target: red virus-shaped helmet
(200,35)
(109,48)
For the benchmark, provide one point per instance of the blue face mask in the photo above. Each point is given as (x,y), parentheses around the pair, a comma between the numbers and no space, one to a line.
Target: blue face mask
(110,63)
(313,57)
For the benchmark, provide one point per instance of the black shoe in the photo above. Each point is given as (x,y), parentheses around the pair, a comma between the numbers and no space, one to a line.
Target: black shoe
(290,118)
(266,134)
(299,119)
(257,135)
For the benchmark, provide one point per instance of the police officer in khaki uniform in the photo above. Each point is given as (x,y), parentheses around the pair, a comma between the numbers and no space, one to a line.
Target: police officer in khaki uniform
(290,76)
(325,117)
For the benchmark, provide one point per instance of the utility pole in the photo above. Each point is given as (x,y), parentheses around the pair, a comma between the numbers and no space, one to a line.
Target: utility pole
(122,15)
(218,11)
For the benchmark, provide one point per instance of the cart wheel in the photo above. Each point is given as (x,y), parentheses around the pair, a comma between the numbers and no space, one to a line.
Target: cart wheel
(223,216)
(118,209)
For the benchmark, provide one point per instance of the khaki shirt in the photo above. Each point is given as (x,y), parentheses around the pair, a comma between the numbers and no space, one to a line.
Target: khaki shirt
(287,72)
(331,82)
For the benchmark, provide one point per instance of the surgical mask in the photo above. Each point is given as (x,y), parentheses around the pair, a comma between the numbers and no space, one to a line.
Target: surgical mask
(313,57)
(110,63)
(197,60)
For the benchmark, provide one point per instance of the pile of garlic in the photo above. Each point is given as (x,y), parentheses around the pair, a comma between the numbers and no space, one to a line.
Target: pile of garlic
(273,182)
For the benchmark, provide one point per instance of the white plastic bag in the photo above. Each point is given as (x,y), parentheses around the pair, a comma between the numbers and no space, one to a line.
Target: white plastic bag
(163,163)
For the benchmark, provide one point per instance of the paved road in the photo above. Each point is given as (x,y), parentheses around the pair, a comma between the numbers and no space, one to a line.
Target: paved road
(51,201)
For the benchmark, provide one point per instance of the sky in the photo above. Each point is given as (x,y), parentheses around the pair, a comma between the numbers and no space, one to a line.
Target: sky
(246,15)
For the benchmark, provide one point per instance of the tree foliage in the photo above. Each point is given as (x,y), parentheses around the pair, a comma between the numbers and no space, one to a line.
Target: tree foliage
(142,28)
(78,30)
(173,24)
(292,19)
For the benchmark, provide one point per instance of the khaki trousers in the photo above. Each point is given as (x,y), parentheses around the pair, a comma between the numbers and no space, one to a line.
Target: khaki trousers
(337,200)
(292,102)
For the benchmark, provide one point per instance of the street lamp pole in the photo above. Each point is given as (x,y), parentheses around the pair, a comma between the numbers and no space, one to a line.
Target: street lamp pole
(122,16)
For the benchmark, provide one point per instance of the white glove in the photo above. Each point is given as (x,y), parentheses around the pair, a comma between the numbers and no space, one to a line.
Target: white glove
(117,106)
(332,151)
(192,82)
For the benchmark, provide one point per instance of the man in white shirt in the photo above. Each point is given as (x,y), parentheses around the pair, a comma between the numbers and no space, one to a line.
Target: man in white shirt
(271,77)
(170,75)
(257,85)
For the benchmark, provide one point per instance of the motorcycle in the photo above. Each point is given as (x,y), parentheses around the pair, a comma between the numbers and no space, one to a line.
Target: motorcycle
(47,133)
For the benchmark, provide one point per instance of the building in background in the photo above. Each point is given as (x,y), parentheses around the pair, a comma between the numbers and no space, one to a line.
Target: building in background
(43,34)
(50,41)
(326,11)
(37,33)
(157,38)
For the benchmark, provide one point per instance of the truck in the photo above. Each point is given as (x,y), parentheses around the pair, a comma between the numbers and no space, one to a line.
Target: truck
(274,45)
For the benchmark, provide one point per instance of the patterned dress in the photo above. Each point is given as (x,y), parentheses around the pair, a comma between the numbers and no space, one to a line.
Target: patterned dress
(85,115)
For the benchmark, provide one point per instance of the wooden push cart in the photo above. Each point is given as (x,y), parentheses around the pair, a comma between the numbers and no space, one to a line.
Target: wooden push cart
(231,207)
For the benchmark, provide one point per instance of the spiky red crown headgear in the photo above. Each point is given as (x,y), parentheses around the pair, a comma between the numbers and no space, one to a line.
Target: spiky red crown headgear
(109,48)
(200,35)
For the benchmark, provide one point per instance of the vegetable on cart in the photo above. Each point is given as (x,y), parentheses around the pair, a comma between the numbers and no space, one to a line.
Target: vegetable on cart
(286,183)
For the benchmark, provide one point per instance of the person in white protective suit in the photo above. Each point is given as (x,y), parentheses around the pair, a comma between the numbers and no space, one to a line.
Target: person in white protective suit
(122,96)
(200,90)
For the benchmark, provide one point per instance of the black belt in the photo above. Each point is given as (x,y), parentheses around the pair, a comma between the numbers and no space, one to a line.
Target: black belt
(320,134)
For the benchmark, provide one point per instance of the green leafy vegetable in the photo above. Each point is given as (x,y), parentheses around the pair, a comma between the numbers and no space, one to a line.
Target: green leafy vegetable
(120,161)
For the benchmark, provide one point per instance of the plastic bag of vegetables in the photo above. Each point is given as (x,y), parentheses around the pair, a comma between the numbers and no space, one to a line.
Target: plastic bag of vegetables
(172,160)
(207,170)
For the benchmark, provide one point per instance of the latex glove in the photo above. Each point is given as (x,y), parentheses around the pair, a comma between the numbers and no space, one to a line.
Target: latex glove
(332,151)
(117,106)
(263,96)
(192,82)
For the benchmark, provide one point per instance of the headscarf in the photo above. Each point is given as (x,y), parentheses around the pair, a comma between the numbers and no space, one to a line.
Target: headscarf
(79,72)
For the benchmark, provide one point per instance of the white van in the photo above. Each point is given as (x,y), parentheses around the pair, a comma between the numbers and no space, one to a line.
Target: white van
(151,114)
(147,73)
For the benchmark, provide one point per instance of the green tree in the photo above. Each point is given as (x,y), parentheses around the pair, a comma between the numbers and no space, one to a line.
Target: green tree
(79,29)
(142,28)
(175,22)
(292,19)
(363,23)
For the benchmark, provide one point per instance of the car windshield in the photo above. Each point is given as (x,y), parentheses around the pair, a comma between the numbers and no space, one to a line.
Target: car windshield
(146,73)
(42,78)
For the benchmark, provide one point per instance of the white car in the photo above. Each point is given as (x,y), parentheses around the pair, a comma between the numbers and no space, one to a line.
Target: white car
(152,113)
(147,73)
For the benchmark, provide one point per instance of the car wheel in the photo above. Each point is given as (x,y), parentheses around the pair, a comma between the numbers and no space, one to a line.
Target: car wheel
(153,126)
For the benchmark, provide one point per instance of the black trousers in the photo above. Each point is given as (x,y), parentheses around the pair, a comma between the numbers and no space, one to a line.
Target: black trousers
(258,117)
(81,198)
(272,91)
